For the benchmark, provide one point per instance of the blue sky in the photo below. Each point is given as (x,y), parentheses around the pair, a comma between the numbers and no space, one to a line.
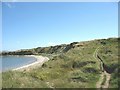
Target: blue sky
(29,25)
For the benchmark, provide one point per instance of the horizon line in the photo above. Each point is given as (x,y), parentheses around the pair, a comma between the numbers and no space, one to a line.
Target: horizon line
(59,44)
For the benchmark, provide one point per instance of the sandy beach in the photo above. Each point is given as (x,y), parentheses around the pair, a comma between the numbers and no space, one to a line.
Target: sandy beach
(39,61)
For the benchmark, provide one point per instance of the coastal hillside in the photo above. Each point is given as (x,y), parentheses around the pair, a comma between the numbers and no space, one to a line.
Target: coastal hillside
(47,50)
(88,64)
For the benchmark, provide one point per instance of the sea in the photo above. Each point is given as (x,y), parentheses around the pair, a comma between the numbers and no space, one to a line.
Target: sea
(11,62)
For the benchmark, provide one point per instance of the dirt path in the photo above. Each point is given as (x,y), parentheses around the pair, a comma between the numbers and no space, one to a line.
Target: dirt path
(106,84)
(99,83)
(104,75)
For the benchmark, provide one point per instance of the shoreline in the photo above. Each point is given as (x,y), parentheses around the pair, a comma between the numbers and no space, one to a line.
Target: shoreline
(39,62)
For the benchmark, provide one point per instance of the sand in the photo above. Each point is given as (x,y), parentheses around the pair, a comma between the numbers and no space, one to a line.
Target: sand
(39,62)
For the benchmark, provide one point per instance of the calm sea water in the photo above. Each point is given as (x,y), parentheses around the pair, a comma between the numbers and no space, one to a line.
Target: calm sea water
(12,62)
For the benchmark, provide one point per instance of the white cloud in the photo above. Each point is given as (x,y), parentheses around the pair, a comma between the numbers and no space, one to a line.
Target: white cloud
(10,4)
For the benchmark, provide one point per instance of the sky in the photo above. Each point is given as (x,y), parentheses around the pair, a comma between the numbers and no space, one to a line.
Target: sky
(39,24)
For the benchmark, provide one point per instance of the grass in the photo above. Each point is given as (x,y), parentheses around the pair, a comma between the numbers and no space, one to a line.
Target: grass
(76,68)
(20,79)
(109,54)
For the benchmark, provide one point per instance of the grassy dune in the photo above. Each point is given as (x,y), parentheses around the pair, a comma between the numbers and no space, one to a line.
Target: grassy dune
(72,65)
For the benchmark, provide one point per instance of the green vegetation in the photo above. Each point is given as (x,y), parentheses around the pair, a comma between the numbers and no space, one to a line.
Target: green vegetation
(20,79)
(70,66)
(109,54)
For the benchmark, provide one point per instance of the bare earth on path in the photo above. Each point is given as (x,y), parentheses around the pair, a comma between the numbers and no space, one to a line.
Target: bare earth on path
(103,75)
(106,84)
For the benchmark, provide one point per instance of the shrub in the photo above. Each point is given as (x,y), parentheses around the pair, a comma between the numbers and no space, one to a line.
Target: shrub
(90,70)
